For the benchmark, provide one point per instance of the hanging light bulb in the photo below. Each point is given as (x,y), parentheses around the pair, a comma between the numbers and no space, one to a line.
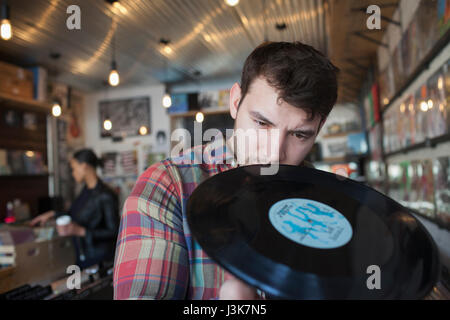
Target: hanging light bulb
(143,130)
(167,101)
(199,117)
(107,124)
(232,3)
(56,109)
(116,4)
(114,78)
(5,28)
(440,83)
(423,106)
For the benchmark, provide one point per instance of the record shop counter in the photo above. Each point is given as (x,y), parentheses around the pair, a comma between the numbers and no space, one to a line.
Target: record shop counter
(32,255)
(34,265)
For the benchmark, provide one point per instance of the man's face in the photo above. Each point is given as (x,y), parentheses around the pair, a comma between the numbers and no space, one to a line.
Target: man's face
(290,134)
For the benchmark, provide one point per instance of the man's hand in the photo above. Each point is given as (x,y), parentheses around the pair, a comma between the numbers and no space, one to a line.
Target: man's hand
(71,229)
(234,289)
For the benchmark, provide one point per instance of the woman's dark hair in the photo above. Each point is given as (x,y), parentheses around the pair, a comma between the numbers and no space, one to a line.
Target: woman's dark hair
(88,156)
(303,76)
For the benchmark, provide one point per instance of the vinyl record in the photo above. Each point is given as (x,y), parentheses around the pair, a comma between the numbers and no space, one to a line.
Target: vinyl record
(308,234)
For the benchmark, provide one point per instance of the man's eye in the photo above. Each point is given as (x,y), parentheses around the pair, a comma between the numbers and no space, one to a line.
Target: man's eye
(261,124)
(300,136)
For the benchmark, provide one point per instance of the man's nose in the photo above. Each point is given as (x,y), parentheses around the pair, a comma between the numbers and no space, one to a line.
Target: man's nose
(277,148)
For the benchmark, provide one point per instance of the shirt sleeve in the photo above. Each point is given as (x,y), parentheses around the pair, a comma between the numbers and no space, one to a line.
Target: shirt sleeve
(151,259)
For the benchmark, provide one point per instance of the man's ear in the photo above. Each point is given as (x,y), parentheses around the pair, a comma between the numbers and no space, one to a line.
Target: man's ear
(235,97)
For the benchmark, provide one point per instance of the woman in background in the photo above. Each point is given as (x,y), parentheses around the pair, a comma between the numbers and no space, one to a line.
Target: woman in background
(94,213)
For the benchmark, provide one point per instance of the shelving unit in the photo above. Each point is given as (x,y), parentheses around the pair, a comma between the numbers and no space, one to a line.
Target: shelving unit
(24,104)
(340,134)
(208,111)
(212,111)
(26,187)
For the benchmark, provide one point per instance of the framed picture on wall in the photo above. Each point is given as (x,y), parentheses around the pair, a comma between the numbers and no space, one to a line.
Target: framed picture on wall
(126,117)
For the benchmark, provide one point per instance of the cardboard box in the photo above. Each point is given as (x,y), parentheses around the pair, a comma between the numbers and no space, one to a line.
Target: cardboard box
(16,81)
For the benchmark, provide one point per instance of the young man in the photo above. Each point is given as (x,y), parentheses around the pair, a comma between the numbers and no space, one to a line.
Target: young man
(287,89)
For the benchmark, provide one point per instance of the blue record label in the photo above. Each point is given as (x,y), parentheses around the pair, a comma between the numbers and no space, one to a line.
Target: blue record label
(310,223)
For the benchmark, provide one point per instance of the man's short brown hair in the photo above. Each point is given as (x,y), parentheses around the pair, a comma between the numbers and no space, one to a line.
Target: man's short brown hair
(303,76)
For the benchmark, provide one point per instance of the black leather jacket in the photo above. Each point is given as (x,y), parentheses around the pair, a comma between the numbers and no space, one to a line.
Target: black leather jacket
(99,214)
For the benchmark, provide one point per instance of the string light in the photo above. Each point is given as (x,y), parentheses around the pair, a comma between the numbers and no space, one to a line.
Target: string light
(5,27)
(114,78)
(423,106)
(232,3)
(116,4)
(440,83)
(143,130)
(56,109)
(199,117)
(107,125)
(167,101)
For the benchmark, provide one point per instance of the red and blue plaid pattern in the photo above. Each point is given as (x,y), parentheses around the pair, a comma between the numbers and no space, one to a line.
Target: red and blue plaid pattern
(156,257)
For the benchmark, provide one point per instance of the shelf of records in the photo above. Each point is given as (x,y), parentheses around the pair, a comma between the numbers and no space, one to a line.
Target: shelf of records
(22,163)
(421,116)
(426,35)
(422,185)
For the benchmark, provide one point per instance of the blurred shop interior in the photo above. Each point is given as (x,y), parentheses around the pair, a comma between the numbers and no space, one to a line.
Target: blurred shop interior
(138,70)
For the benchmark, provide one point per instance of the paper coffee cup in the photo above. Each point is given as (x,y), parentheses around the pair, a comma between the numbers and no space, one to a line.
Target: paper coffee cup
(63,220)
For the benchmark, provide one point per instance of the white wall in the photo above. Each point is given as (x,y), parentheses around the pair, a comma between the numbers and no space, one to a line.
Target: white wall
(159,121)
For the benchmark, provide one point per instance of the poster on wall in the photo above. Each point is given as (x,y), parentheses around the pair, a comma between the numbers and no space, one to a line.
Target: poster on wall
(109,163)
(208,99)
(128,162)
(152,155)
(126,116)
(75,137)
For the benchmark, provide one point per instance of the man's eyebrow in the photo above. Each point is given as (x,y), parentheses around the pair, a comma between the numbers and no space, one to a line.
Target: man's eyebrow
(259,116)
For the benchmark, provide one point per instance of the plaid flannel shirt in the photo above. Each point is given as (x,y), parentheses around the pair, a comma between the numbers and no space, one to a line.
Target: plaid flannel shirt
(156,257)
